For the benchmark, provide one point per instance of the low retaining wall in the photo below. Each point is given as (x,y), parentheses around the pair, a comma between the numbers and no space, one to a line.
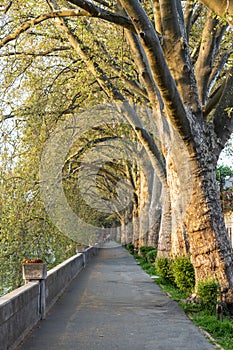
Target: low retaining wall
(20,310)
(59,278)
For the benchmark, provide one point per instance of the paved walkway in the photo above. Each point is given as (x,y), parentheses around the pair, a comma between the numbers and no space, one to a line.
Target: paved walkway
(113,304)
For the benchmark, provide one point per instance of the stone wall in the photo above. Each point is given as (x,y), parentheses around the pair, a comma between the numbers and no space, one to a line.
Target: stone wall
(60,276)
(20,310)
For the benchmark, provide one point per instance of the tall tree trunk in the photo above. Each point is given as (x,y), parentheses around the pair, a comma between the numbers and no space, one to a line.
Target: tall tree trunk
(123,231)
(118,234)
(197,220)
(180,184)
(136,225)
(155,212)
(128,227)
(164,242)
(210,246)
(143,210)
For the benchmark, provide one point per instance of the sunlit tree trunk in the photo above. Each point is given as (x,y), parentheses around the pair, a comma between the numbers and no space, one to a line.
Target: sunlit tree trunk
(143,210)
(123,237)
(136,225)
(154,211)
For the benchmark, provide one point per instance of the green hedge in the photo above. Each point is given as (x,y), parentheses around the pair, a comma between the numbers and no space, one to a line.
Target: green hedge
(151,256)
(207,293)
(144,250)
(184,274)
(178,271)
(164,268)
(130,248)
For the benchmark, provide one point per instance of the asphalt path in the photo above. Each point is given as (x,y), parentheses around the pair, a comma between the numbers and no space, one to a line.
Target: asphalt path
(114,304)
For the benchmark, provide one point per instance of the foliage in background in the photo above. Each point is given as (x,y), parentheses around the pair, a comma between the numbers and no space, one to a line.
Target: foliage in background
(223,172)
(25,228)
(48,83)
(224,177)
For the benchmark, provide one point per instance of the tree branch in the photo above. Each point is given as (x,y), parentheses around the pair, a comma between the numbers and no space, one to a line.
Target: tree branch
(102,2)
(4,9)
(188,13)
(157,17)
(177,53)
(143,67)
(132,84)
(89,145)
(218,68)
(159,69)
(222,8)
(114,93)
(223,116)
(39,19)
(98,12)
(213,100)
(92,11)
(206,57)
(34,53)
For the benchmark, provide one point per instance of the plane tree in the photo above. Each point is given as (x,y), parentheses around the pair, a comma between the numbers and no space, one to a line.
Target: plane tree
(177,61)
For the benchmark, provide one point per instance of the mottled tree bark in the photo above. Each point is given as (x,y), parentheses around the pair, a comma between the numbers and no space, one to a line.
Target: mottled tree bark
(155,211)
(143,210)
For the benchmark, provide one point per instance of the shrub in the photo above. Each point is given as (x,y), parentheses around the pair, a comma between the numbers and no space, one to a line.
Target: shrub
(130,248)
(144,250)
(164,268)
(151,256)
(183,272)
(207,292)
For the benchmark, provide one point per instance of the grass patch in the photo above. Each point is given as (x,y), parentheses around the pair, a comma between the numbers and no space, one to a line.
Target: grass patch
(221,331)
(171,290)
(146,266)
